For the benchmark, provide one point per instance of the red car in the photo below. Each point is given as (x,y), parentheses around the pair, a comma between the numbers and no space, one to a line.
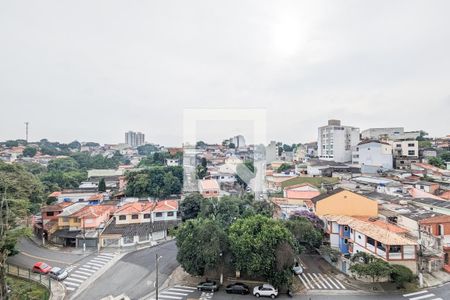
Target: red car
(41,267)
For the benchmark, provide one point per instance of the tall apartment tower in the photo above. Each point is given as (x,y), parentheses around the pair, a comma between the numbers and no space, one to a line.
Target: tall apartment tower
(335,141)
(134,139)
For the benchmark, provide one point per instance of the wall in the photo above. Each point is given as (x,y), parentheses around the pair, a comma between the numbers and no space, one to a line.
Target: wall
(347,203)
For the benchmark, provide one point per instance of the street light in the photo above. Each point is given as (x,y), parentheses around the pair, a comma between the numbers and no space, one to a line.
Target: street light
(157,267)
(221,268)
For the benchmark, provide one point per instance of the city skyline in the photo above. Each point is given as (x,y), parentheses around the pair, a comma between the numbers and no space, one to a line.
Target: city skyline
(304,63)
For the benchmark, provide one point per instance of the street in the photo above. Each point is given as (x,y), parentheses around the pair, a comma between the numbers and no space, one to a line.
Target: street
(134,274)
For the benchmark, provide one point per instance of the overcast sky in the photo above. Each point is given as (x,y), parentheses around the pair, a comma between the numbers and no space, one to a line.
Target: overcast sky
(91,70)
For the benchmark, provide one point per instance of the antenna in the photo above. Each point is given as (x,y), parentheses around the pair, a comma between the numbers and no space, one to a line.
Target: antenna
(26,131)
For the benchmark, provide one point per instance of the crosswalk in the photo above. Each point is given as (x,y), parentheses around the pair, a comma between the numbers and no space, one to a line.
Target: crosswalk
(421,295)
(319,281)
(177,292)
(79,275)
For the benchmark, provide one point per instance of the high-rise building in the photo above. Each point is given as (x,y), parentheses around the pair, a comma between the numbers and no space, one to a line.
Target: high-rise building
(335,141)
(134,139)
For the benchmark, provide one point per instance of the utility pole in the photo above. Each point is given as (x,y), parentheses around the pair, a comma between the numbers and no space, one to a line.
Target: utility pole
(157,271)
(26,131)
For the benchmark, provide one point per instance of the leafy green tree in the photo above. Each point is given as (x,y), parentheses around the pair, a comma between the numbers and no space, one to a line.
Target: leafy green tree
(223,210)
(305,232)
(102,185)
(284,167)
(190,206)
(75,145)
(29,152)
(20,193)
(63,165)
(366,265)
(445,156)
(255,242)
(157,182)
(147,149)
(231,146)
(201,245)
(34,168)
(422,135)
(437,162)
(11,143)
(201,171)
(401,275)
(424,144)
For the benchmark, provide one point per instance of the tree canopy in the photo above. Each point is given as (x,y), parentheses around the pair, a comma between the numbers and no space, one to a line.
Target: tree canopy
(157,182)
(29,152)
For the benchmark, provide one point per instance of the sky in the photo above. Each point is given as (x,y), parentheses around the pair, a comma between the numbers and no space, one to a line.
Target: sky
(92,70)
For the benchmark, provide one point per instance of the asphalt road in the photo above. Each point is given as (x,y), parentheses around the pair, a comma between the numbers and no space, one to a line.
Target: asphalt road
(134,274)
(31,253)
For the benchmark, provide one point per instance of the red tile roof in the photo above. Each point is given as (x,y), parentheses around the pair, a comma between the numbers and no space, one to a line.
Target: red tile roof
(93,211)
(165,205)
(54,194)
(436,220)
(135,207)
(56,207)
(96,197)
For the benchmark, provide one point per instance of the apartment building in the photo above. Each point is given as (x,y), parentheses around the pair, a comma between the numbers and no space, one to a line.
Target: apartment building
(335,141)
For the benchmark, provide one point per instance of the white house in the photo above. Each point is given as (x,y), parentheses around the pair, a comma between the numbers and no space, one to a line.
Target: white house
(372,156)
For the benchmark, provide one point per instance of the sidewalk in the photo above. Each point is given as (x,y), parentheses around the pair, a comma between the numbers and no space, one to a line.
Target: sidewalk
(435,279)
(71,250)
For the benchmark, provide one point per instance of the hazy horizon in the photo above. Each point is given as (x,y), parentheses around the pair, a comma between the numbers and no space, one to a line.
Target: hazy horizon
(90,71)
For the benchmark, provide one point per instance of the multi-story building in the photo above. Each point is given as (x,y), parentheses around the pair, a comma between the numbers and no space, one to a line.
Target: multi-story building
(134,139)
(389,133)
(335,141)
(405,153)
(373,156)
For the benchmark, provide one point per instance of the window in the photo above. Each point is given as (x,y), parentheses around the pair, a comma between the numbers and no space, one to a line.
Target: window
(370,241)
(411,152)
(346,241)
(159,214)
(122,217)
(134,217)
(399,145)
(395,249)
(422,187)
(146,216)
(50,214)
(381,246)
(411,145)
(345,228)
(128,239)
(170,214)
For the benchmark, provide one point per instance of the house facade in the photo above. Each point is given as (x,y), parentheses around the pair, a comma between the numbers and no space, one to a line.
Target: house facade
(373,156)
(346,203)
(209,188)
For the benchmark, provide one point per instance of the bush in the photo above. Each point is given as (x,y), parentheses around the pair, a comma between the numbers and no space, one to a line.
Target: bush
(401,275)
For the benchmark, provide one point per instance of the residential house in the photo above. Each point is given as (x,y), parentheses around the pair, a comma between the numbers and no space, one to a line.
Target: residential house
(439,227)
(209,188)
(172,162)
(405,152)
(140,222)
(373,156)
(73,195)
(346,203)
(427,186)
(295,198)
(67,228)
(49,219)
(422,169)
(389,242)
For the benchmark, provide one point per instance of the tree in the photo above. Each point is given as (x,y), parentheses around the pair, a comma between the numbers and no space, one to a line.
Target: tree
(157,182)
(437,162)
(231,146)
(401,275)
(10,144)
(422,135)
(304,232)
(284,167)
(424,144)
(201,171)
(370,266)
(255,242)
(445,156)
(201,245)
(147,149)
(75,145)
(190,206)
(29,152)
(63,165)
(20,192)
(102,185)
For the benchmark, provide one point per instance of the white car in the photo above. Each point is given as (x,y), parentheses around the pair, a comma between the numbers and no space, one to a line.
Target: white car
(265,290)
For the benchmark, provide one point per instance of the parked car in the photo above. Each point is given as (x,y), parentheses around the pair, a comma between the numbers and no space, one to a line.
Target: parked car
(265,290)
(41,267)
(237,288)
(208,286)
(58,273)
(297,270)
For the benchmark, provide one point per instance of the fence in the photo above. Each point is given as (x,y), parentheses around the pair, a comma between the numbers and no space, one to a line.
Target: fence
(27,274)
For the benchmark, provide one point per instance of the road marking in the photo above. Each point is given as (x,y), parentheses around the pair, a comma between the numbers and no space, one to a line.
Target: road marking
(101,259)
(169,297)
(93,267)
(340,284)
(181,290)
(174,293)
(79,276)
(307,280)
(416,293)
(331,280)
(88,270)
(81,272)
(304,282)
(71,283)
(95,264)
(70,288)
(69,279)
(186,287)
(313,280)
(319,281)
(107,255)
(325,281)
(422,297)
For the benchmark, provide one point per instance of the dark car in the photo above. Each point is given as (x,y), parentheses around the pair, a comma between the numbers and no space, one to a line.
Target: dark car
(237,288)
(208,286)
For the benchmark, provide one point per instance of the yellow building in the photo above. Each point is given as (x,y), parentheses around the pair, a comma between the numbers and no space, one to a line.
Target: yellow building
(345,203)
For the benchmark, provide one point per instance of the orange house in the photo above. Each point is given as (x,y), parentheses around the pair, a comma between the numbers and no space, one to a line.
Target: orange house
(345,203)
